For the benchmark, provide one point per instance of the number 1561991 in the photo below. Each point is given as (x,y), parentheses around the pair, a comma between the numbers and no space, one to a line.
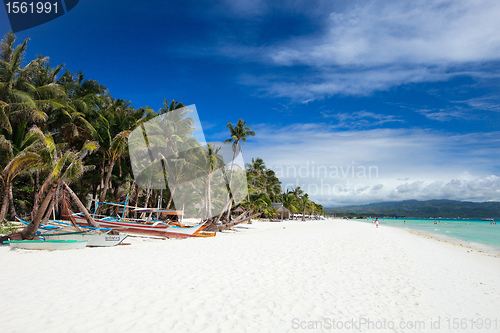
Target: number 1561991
(31,7)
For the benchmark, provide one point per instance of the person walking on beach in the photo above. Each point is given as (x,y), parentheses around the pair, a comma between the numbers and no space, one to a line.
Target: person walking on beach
(376,222)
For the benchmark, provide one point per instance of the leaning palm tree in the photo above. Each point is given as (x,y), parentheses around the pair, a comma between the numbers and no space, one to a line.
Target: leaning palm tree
(65,167)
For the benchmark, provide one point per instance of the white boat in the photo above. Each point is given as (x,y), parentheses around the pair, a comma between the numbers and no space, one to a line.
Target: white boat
(47,244)
(93,239)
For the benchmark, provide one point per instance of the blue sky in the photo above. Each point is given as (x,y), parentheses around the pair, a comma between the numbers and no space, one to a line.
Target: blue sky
(407,88)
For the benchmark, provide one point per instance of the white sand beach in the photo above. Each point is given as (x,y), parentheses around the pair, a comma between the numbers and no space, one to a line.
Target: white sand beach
(293,276)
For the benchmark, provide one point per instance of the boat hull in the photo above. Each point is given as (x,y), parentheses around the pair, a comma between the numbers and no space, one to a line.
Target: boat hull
(162,230)
(47,244)
(94,240)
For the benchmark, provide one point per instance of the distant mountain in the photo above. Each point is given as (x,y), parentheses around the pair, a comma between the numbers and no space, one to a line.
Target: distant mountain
(423,209)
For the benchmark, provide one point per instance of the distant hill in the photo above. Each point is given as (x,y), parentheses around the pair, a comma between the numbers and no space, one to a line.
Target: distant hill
(423,209)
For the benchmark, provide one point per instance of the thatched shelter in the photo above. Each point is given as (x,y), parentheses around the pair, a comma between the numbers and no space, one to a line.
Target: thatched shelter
(282,210)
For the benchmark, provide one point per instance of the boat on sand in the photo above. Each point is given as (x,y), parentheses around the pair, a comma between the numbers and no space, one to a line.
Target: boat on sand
(47,244)
(146,227)
(93,239)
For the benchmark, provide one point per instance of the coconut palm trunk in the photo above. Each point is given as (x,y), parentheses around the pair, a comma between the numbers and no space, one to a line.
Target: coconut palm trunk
(172,191)
(36,195)
(109,171)
(208,195)
(5,203)
(30,230)
(49,211)
(148,195)
(136,199)
(11,204)
(81,207)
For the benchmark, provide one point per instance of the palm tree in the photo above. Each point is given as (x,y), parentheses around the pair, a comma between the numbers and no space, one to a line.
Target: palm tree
(291,202)
(239,134)
(210,162)
(296,191)
(257,166)
(10,69)
(117,148)
(24,93)
(260,202)
(114,125)
(304,201)
(174,105)
(65,166)
(19,149)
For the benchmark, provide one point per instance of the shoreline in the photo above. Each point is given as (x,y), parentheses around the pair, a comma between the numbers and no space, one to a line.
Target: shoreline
(480,247)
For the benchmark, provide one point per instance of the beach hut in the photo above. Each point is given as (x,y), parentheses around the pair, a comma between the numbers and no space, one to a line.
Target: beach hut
(282,210)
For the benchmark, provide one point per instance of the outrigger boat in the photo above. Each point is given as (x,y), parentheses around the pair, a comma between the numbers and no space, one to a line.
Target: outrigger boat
(47,244)
(58,230)
(93,239)
(148,227)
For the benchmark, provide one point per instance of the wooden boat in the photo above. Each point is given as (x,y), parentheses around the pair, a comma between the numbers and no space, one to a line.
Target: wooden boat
(47,244)
(58,230)
(93,239)
(204,233)
(147,227)
(143,227)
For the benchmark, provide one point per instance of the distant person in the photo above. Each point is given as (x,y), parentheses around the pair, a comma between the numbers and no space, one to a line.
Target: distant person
(376,222)
(404,222)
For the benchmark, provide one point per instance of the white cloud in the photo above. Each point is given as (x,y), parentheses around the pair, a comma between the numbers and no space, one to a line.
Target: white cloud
(488,103)
(477,189)
(361,119)
(376,45)
(413,32)
(355,167)
(447,114)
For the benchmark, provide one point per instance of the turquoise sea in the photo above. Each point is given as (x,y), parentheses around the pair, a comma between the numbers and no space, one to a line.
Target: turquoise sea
(476,233)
